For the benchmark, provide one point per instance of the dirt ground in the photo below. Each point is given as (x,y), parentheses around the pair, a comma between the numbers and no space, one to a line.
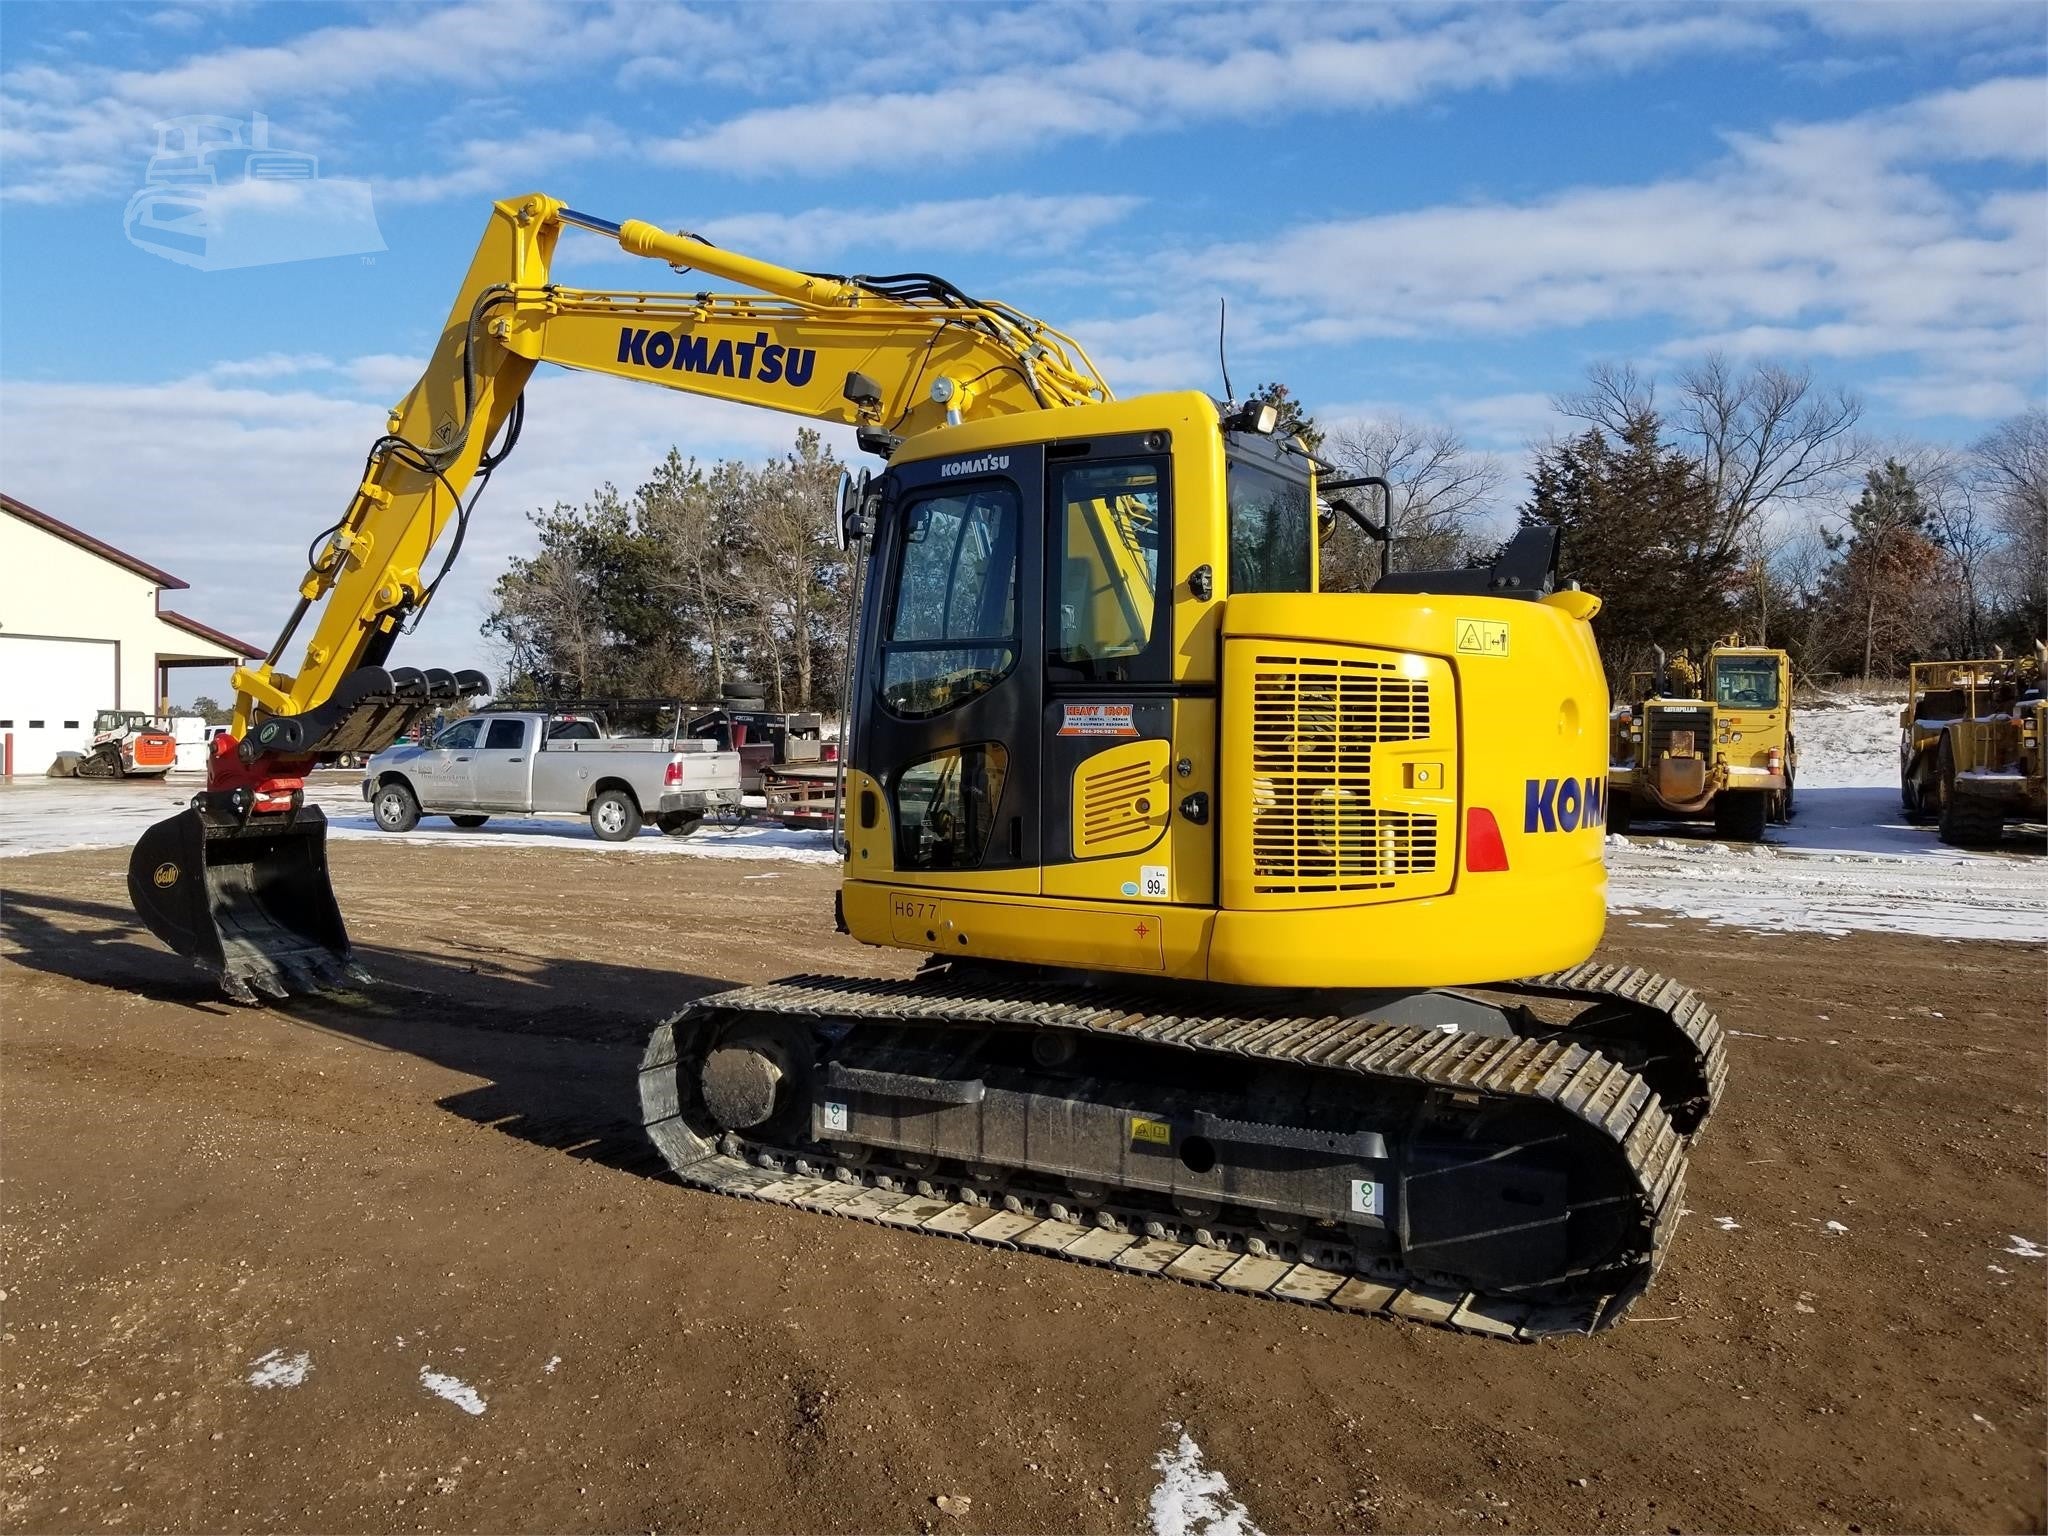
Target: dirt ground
(1841,1341)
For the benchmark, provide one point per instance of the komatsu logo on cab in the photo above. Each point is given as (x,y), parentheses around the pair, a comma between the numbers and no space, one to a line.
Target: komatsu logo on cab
(769,362)
(988,463)
(1563,805)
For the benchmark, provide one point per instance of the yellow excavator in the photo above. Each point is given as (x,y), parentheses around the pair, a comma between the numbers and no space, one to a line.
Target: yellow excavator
(1257,918)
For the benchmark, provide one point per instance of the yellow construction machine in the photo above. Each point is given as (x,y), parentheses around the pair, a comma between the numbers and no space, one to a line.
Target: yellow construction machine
(1257,919)
(1726,750)
(1970,747)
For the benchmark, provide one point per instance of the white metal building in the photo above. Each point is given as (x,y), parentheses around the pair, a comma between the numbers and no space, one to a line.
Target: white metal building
(82,629)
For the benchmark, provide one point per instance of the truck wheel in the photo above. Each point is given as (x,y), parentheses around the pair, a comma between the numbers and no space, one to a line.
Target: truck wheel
(1741,817)
(615,816)
(469,823)
(1964,821)
(1617,813)
(679,823)
(396,808)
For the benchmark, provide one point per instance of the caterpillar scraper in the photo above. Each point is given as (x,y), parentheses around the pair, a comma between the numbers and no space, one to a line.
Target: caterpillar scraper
(1256,919)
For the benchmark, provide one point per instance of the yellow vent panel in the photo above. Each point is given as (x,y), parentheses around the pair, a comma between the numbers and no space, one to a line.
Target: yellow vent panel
(1121,799)
(1342,774)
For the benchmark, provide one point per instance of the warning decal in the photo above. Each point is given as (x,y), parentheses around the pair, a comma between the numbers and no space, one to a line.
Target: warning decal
(1158,1132)
(1482,637)
(1097,720)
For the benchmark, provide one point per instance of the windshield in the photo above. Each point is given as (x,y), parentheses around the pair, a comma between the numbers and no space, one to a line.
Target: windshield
(1746,682)
(954,632)
(1269,530)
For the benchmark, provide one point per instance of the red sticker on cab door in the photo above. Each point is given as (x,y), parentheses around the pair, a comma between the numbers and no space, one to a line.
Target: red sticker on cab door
(1097,720)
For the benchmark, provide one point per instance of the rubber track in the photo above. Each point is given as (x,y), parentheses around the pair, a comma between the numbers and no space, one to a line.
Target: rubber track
(1692,1031)
(1560,1071)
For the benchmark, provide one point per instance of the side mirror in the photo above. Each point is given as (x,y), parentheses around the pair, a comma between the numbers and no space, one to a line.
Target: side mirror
(851,525)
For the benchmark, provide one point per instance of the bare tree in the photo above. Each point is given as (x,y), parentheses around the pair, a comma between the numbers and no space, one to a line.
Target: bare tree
(545,621)
(691,514)
(2010,472)
(1440,488)
(1957,521)
(1763,436)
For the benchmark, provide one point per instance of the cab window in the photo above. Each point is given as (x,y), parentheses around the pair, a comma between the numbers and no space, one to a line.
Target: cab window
(1111,574)
(460,736)
(946,807)
(1746,682)
(1270,530)
(505,736)
(953,625)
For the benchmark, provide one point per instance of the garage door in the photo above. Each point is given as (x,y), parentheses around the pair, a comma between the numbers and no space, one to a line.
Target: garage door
(49,692)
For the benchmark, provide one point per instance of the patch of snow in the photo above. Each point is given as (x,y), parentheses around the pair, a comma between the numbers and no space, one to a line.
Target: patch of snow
(2024,1248)
(1193,1499)
(549,1368)
(63,815)
(1727,1223)
(278,1369)
(1835,1227)
(452,1389)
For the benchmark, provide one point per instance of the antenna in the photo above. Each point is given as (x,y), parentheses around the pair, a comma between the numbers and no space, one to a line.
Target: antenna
(1222,361)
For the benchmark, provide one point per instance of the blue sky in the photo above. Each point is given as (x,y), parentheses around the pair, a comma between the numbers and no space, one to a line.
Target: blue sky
(1438,211)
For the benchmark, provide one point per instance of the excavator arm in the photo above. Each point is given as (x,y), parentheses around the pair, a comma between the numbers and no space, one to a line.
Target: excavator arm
(891,356)
(239,882)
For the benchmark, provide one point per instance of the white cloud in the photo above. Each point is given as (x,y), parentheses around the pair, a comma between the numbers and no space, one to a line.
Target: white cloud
(80,132)
(271,365)
(1169,82)
(975,224)
(1823,238)
(847,237)
(502,166)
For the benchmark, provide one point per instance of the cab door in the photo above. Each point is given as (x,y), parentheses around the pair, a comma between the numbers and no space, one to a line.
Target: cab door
(953,677)
(1111,701)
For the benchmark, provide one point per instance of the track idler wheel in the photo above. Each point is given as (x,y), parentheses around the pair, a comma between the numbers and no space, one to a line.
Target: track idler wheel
(757,1077)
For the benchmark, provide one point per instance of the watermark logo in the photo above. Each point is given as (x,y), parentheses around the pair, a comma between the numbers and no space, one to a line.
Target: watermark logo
(217,196)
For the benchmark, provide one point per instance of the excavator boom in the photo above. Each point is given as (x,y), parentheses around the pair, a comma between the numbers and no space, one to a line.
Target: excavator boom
(239,882)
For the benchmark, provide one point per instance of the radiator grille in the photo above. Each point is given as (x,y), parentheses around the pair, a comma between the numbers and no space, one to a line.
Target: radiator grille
(1314,828)
(1660,723)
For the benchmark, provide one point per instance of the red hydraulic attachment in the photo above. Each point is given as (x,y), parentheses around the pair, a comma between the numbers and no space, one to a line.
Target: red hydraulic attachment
(273,780)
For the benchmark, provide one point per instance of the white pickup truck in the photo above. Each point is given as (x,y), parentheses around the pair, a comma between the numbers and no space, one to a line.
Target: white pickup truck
(501,762)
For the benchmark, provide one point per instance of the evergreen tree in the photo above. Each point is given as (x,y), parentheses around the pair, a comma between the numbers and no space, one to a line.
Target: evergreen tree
(1637,526)
(1878,600)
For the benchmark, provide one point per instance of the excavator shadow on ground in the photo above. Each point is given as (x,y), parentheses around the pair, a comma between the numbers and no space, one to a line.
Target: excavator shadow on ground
(557,1042)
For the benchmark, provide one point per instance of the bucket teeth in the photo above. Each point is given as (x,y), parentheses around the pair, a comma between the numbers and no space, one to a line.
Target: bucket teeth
(370,709)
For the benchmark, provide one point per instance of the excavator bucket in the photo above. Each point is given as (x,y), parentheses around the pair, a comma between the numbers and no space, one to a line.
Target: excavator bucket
(244,896)
(244,893)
